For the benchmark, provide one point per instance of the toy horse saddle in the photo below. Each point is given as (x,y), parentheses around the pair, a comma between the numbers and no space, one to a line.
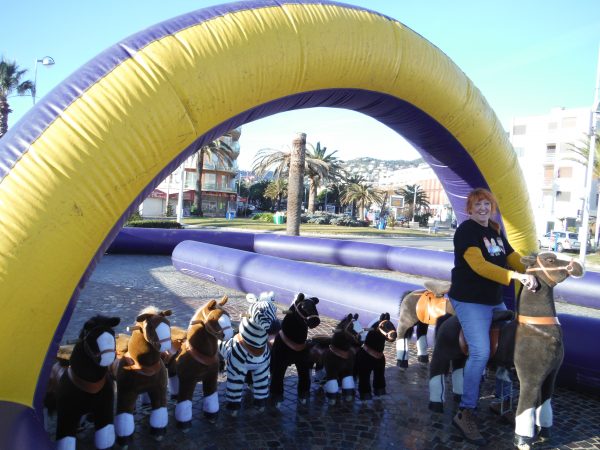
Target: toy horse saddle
(430,307)
(498,320)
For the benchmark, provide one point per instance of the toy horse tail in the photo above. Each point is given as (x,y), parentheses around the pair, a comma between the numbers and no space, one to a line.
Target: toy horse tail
(440,320)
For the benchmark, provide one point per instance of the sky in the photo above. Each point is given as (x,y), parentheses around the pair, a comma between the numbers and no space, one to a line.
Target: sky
(526,57)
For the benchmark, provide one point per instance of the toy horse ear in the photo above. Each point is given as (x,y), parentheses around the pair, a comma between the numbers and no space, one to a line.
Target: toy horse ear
(355,316)
(315,300)
(165,313)
(528,260)
(211,304)
(223,300)
(143,317)
(299,297)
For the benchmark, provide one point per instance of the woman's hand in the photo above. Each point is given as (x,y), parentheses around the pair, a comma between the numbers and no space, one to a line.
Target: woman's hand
(527,280)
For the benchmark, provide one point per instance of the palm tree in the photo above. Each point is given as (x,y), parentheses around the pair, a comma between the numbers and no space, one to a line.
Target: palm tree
(581,148)
(320,167)
(412,192)
(276,190)
(296,184)
(217,151)
(11,80)
(361,194)
(348,180)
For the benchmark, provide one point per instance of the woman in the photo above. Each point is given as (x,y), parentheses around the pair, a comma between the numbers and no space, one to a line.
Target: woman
(481,255)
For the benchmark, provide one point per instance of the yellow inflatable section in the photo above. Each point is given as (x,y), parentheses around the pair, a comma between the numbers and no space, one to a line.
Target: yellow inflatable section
(84,156)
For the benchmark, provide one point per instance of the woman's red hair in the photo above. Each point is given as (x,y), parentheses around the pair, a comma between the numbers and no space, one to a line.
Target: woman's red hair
(483,194)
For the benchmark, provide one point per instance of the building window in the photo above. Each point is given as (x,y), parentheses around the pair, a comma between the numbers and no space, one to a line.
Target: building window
(569,122)
(565,172)
(519,129)
(550,150)
(563,196)
(548,175)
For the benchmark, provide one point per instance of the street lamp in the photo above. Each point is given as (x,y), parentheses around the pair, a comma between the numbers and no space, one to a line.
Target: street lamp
(46,61)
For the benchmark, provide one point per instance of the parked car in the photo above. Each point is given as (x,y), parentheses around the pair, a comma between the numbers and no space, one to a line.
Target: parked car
(564,241)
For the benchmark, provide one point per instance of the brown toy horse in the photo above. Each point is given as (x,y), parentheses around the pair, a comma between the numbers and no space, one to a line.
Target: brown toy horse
(334,357)
(421,308)
(140,370)
(198,361)
(536,338)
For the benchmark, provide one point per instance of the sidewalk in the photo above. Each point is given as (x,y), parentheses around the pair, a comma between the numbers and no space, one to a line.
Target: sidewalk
(124,284)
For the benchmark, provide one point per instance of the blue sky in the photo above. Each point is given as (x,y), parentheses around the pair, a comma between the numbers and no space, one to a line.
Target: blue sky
(526,57)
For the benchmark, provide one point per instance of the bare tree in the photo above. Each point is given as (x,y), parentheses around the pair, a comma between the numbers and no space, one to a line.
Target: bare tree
(296,184)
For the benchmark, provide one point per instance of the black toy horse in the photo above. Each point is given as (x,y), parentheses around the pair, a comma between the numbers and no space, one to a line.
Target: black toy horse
(334,356)
(538,348)
(141,370)
(370,357)
(420,308)
(84,386)
(290,347)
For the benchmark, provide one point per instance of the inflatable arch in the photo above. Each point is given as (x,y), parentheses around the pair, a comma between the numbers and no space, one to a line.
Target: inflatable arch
(75,167)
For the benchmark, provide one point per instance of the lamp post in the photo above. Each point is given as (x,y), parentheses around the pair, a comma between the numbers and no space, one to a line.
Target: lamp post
(46,61)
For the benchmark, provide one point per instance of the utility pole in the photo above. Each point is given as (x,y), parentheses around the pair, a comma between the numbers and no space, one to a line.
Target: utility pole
(590,168)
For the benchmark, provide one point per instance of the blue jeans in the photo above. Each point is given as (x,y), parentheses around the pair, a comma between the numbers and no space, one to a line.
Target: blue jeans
(475,320)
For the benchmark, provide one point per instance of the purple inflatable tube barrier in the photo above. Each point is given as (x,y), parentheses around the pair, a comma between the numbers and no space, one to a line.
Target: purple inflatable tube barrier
(341,292)
(413,261)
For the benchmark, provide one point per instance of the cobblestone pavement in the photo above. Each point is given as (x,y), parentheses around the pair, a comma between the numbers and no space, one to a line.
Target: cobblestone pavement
(124,284)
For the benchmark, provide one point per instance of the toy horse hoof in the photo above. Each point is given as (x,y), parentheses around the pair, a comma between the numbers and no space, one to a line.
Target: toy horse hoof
(436,407)
(423,359)
(379,391)
(302,400)
(259,405)
(543,433)
(174,397)
(402,363)
(523,443)
(211,417)
(348,395)
(158,433)
(184,426)
(331,399)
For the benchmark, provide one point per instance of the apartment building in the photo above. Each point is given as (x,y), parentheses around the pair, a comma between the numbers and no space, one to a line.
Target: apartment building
(554,174)
(219,185)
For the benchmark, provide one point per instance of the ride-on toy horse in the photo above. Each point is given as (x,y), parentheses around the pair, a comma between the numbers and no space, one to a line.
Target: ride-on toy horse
(290,347)
(538,347)
(249,352)
(83,386)
(198,361)
(334,357)
(420,308)
(370,357)
(141,370)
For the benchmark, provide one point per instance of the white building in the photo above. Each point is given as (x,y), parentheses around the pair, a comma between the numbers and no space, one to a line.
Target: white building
(555,181)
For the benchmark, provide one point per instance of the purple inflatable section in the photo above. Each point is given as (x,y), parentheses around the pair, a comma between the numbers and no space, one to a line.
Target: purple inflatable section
(414,261)
(340,292)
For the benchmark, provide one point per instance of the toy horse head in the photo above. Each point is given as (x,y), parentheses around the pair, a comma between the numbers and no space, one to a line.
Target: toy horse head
(385,327)
(98,339)
(306,309)
(350,328)
(263,312)
(551,270)
(153,325)
(214,318)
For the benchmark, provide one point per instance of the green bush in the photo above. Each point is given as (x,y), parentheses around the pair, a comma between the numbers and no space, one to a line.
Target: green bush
(153,224)
(263,217)
(347,221)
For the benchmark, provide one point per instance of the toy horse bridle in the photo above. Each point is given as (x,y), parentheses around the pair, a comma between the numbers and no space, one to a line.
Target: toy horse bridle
(218,333)
(546,270)
(96,356)
(142,328)
(350,325)
(387,335)
(304,317)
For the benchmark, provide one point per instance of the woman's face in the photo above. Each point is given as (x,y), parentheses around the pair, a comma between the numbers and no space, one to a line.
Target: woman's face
(481,211)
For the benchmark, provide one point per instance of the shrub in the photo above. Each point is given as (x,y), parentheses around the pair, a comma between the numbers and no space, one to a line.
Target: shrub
(263,217)
(153,224)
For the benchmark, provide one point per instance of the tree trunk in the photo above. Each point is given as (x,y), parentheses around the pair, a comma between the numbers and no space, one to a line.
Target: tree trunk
(198,190)
(312,195)
(296,184)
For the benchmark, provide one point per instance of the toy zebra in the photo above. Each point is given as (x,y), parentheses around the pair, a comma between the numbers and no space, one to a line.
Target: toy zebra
(248,352)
